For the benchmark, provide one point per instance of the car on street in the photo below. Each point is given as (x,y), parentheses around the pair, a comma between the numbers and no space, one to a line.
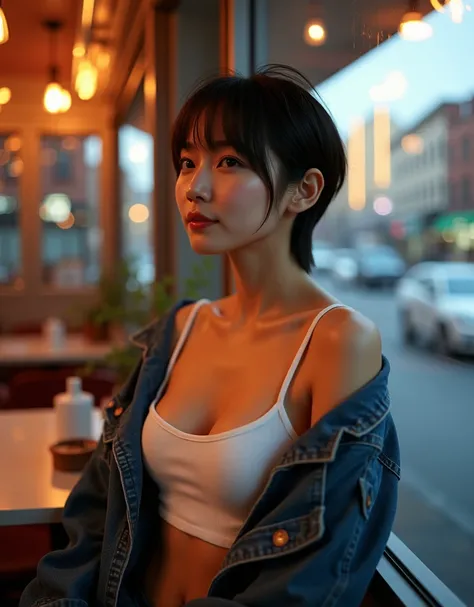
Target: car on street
(323,254)
(379,266)
(435,305)
(344,267)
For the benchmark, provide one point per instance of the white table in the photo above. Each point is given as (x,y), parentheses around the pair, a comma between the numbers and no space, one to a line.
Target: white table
(35,350)
(31,491)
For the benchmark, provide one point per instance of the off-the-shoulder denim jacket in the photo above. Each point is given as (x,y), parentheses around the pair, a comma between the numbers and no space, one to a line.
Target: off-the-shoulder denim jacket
(313,538)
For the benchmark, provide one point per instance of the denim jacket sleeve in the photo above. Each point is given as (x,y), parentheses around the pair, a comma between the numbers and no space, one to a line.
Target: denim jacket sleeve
(336,569)
(72,573)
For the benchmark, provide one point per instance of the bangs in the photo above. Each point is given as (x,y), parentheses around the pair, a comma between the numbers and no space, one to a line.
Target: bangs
(228,109)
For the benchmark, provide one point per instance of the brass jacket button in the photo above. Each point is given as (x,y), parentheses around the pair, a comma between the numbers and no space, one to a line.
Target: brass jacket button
(118,412)
(280,538)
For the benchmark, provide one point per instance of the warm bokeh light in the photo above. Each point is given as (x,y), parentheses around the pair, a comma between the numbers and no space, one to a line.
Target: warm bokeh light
(356,165)
(5,95)
(412,144)
(86,80)
(87,13)
(314,33)
(13,143)
(79,51)
(103,60)
(66,102)
(413,28)
(67,223)
(382,149)
(53,98)
(4,33)
(138,213)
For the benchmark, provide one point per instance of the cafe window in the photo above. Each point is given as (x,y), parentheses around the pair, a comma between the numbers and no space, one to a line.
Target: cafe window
(11,170)
(69,209)
(136,188)
(391,85)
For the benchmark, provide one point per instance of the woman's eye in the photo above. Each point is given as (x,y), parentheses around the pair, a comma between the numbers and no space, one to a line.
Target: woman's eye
(229,162)
(185,163)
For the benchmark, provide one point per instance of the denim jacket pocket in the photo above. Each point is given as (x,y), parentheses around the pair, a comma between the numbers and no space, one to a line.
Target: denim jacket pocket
(283,537)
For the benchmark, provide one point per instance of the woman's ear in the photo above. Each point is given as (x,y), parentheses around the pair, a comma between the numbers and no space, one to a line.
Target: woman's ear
(306,193)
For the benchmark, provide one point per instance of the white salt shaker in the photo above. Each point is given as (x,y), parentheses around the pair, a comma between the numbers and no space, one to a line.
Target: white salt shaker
(73,411)
(55,332)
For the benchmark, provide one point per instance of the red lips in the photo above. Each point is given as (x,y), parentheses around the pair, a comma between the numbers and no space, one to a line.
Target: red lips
(194,217)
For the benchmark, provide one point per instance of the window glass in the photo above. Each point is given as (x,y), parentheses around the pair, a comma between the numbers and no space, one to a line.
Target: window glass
(136,187)
(69,209)
(11,169)
(405,110)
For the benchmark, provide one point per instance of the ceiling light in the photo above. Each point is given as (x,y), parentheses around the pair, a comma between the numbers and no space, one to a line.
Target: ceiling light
(413,28)
(4,32)
(314,32)
(86,80)
(56,99)
(5,95)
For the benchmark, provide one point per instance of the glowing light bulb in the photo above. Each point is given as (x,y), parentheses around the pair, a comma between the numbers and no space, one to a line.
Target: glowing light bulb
(315,33)
(4,33)
(79,51)
(413,28)
(66,101)
(5,95)
(86,80)
(53,98)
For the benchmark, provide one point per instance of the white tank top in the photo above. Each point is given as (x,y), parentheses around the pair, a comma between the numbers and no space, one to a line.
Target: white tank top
(209,483)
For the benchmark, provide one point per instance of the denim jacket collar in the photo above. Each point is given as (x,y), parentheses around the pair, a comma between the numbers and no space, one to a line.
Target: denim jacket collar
(357,415)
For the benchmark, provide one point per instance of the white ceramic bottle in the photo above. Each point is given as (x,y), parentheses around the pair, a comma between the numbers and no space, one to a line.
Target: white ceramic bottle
(54,331)
(73,411)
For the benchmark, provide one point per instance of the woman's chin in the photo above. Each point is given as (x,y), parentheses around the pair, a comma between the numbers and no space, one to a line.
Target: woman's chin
(205,248)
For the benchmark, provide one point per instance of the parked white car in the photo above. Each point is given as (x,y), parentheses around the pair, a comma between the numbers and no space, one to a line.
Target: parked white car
(323,255)
(435,301)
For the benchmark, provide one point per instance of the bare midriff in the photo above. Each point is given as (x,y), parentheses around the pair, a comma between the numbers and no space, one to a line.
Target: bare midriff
(183,571)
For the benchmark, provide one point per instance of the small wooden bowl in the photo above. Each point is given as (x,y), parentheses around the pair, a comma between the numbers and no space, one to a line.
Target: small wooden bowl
(72,455)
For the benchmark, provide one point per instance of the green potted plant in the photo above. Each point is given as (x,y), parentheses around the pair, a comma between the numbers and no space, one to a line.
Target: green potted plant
(159,298)
(121,301)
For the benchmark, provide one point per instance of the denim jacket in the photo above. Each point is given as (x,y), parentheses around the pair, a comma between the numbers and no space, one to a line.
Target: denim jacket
(313,538)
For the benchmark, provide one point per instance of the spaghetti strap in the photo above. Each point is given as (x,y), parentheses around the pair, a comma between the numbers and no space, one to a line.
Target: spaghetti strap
(297,359)
(179,346)
(186,330)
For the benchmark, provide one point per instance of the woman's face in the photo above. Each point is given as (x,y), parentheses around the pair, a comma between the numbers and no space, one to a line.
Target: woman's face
(222,201)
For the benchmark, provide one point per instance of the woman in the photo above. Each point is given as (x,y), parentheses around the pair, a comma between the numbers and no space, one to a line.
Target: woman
(251,458)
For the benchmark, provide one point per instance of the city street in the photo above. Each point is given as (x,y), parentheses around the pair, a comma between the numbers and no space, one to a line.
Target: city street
(433,407)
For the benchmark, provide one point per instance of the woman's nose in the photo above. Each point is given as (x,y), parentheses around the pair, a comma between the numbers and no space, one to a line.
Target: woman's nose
(200,189)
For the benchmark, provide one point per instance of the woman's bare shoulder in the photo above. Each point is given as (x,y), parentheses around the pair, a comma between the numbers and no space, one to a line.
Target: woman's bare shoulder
(344,355)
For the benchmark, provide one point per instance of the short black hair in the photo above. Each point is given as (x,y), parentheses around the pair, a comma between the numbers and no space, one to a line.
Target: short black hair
(275,109)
